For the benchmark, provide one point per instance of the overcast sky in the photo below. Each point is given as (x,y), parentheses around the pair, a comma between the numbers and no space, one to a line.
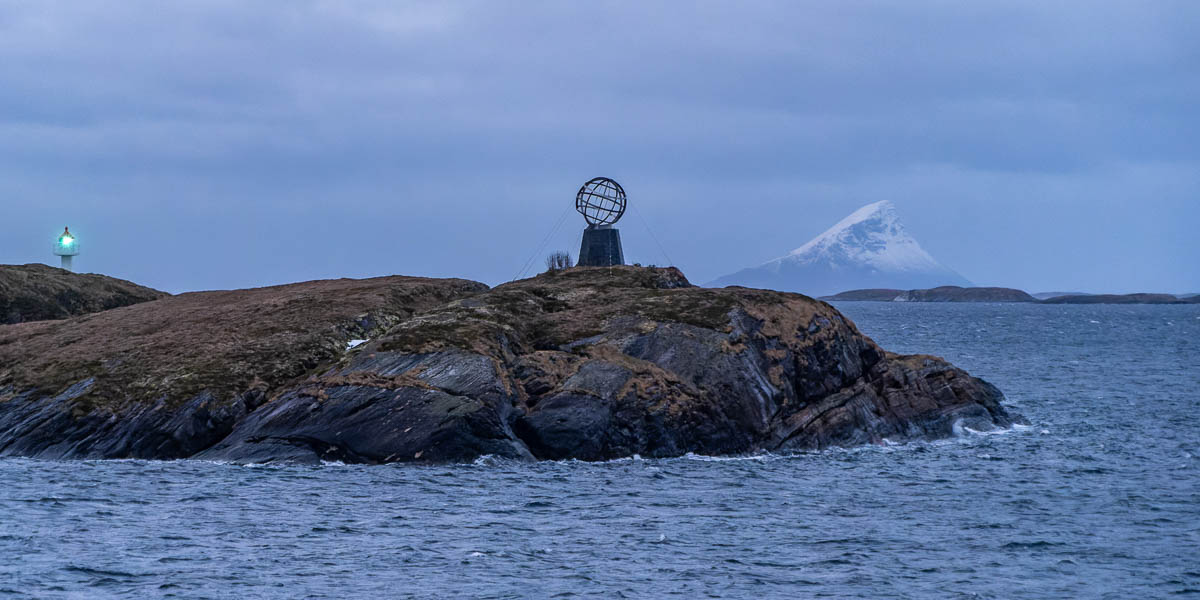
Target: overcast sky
(194,145)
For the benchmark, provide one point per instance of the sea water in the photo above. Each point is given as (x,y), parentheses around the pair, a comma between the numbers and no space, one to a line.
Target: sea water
(1098,498)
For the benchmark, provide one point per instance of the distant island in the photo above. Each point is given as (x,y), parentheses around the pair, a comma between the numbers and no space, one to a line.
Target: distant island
(948,293)
(1047,295)
(953,293)
(1122,299)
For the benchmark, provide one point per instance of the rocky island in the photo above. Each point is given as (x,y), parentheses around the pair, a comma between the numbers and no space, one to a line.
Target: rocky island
(946,293)
(585,363)
(1142,298)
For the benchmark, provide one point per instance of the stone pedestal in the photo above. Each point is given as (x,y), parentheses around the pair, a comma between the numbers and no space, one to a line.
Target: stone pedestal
(601,247)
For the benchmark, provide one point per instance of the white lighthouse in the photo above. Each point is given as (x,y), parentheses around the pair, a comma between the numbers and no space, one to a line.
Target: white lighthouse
(66,247)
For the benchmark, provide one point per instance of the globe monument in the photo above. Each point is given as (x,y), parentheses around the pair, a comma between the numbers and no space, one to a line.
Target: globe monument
(601,201)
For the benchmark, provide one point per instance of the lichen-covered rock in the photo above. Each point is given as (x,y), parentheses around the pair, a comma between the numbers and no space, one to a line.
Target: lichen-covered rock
(589,363)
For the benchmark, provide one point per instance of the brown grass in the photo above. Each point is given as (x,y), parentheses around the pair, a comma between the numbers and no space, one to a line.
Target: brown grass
(221,341)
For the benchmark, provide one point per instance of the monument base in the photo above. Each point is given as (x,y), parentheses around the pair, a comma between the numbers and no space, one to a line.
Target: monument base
(601,247)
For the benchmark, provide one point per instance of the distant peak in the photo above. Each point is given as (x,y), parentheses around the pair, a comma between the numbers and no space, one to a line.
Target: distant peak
(880,206)
(883,207)
(883,210)
(870,248)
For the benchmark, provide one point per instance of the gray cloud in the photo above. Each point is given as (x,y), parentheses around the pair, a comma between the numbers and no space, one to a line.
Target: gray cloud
(222,144)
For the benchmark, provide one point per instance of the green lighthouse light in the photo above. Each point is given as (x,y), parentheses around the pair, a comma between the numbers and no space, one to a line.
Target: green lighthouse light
(67,248)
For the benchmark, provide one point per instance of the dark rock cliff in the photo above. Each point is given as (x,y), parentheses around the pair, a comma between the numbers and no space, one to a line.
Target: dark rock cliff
(38,292)
(584,363)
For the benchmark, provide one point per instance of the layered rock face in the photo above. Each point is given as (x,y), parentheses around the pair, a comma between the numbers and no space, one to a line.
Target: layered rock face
(38,292)
(588,363)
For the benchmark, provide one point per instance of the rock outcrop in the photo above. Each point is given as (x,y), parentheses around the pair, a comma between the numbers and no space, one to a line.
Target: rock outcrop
(38,292)
(584,363)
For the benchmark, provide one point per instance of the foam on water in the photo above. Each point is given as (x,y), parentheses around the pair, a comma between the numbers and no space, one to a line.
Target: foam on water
(747,457)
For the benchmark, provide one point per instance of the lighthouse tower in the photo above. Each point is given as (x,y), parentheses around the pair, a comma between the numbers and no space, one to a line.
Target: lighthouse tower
(66,247)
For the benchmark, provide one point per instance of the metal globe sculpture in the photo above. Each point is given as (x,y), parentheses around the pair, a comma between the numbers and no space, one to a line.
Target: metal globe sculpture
(601,201)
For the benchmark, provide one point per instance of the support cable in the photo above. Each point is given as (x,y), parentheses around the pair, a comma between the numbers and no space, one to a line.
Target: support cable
(670,263)
(533,257)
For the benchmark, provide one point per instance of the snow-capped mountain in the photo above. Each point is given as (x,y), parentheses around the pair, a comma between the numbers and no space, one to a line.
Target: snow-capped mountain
(868,249)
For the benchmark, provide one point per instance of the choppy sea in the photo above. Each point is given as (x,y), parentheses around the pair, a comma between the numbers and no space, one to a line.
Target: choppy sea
(1098,498)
